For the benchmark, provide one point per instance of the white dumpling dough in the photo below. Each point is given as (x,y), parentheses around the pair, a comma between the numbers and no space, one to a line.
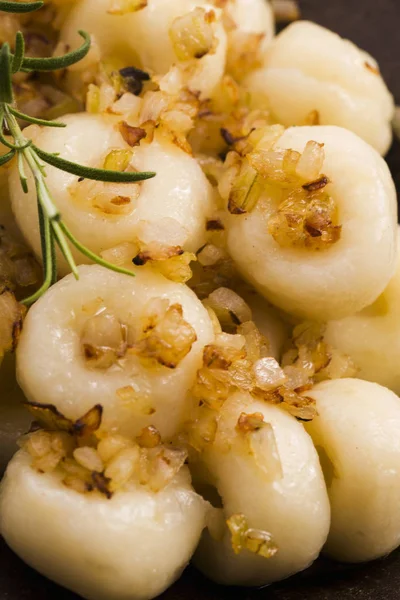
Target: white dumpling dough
(253,16)
(131,547)
(294,509)
(372,337)
(311,68)
(178,197)
(51,367)
(357,428)
(130,39)
(338,281)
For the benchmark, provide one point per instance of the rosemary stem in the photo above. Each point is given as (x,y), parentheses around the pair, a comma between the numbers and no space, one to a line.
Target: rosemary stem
(47,240)
(45,199)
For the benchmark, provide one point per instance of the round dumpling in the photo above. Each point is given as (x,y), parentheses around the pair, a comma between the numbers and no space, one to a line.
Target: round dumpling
(127,37)
(130,547)
(311,72)
(264,468)
(356,435)
(132,344)
(343,276)
(170,209)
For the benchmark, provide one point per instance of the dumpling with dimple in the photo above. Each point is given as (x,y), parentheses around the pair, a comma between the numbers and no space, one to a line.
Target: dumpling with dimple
(281,251)
(134,344)
(127,37)
(311,70)
(130,547)
(265,469)
(170,209)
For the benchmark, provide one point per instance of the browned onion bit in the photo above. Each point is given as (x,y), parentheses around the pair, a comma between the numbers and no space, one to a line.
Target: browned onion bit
(167,339)
(219,357)
(245,538)
(102,484)
(250,422)
(49,417)
(214,225)
(157,252)
(149,437)
(131,135)
(89,423)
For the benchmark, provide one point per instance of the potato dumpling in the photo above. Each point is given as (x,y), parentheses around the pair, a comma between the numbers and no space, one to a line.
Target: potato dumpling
(123,40)
(170,209)
(132,344)
(335,281)
(312,71)
(372,337)
(272,479)
(356,435)
(130,547)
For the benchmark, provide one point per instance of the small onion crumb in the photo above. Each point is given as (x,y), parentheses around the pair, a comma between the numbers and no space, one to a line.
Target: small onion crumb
(192,34)
(245,538)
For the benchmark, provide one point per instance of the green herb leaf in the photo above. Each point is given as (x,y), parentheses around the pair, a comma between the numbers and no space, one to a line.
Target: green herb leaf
(20,7)
(19,52)
(35,120)
(91,172)
(58,62)
(6,157)
(6,93)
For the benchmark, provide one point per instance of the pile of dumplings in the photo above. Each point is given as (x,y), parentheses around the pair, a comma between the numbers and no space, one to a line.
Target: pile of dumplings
(235,402)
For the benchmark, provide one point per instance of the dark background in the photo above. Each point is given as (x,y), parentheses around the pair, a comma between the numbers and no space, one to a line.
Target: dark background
(374,25)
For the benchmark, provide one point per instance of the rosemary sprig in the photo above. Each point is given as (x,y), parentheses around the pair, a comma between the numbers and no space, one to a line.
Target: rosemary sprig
(53,231)
(91,172)
(20,7)
(56,63)
(29,119)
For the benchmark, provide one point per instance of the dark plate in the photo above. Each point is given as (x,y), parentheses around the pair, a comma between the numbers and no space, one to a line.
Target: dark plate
(374,26)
